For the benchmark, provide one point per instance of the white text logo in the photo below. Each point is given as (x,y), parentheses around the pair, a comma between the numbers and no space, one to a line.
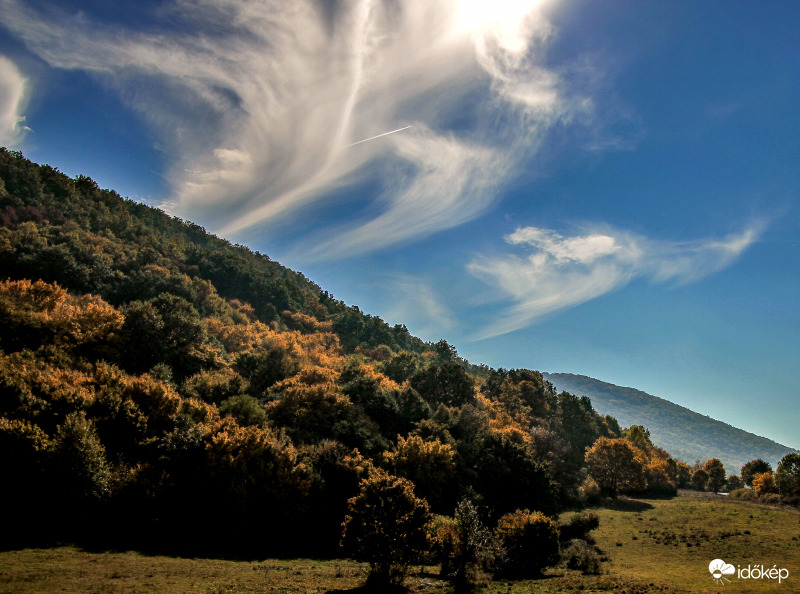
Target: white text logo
(720,570)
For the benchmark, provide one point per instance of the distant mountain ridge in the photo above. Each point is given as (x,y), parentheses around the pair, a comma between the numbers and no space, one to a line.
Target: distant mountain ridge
(684,433)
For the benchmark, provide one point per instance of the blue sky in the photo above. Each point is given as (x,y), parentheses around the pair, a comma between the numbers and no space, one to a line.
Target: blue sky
(603,188)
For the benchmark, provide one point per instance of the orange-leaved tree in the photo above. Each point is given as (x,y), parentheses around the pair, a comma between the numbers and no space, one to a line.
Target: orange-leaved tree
(763,483)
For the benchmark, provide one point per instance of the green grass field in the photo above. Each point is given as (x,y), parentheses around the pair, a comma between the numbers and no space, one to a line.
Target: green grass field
(671,542)
(652,545)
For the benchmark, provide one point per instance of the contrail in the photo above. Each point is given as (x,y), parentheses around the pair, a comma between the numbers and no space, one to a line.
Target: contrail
(378,136)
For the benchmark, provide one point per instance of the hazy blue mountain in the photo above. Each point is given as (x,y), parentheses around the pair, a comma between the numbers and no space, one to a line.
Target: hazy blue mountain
(685,434)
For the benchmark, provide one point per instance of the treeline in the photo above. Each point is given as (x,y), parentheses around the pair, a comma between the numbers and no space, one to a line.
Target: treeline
(160,385)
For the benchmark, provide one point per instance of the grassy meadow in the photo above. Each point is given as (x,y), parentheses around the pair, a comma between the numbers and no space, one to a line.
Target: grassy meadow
(651,545)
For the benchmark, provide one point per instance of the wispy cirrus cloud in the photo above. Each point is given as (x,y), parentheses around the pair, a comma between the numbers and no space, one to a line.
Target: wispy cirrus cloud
(414,301)
(560,272)
(258,103)
(13,87)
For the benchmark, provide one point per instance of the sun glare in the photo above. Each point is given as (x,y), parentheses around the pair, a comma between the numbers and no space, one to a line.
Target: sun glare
(481,14)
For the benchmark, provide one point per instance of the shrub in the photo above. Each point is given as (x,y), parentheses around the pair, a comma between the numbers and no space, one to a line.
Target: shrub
(245,409)
(589,491)
(579,554)
(746,494)
(793,500)
(579,526)
(527,543)
(386,527)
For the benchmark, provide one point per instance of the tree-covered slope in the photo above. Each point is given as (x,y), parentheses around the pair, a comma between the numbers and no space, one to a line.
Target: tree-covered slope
(91,240)
(688,435)
(160,384)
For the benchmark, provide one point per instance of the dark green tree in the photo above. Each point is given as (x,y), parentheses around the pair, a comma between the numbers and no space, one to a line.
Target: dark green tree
(164,329)
(447,384)
(80,461)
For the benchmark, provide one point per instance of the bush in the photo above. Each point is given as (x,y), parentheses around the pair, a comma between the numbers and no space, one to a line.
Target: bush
(793,500)
(579,526)
(579,554)
(527,543)
(589,491)
(746,494)
(773,498)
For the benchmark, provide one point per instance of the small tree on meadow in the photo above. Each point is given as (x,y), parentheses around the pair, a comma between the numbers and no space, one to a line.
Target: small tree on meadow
(716,474)
(387,527)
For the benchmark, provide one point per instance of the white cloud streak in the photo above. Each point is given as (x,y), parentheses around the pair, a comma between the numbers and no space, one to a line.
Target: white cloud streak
(257,102)
(562,272)
(13,88)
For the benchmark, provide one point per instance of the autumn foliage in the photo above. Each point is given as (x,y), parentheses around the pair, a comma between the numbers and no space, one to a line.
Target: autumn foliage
(160,386)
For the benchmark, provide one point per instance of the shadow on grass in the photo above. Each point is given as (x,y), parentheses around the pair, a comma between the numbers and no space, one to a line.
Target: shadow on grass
(370,590)
(624,504)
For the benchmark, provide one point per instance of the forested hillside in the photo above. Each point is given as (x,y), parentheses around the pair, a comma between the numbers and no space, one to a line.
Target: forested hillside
(160,385)
(686,434)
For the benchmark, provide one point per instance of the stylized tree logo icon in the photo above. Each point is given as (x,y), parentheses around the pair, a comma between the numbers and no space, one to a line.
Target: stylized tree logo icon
(719,569)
